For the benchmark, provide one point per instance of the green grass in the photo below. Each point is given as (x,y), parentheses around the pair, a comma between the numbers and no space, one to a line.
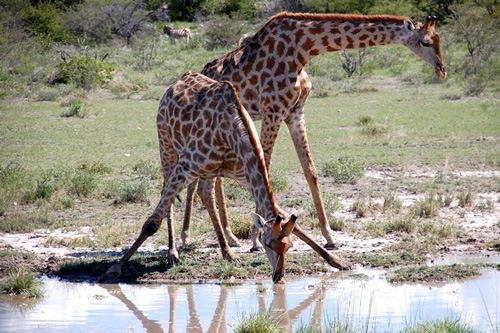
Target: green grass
(23,283)
(264,322)
(258,323)
(443,273)
(424,130)
(119,135)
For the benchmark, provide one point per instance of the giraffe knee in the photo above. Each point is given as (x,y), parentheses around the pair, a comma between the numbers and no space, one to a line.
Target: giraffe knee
(151,226)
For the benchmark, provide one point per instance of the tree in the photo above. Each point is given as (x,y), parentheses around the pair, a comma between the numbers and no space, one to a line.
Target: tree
(99,23)
(476,29)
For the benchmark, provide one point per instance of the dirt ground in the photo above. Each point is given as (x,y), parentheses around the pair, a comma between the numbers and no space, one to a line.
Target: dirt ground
(479,223)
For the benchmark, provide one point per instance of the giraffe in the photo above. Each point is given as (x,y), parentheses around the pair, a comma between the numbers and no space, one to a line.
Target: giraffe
(268,71)
(205,132)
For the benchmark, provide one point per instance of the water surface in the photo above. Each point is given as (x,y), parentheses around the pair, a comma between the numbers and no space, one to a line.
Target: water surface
(366,301)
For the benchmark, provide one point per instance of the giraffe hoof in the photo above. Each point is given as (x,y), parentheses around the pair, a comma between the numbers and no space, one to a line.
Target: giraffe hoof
(332,246)
(173,259)
(229,255)
(256,249)
(109,277)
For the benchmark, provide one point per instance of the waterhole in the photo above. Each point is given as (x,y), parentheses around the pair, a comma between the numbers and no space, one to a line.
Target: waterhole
(364,300)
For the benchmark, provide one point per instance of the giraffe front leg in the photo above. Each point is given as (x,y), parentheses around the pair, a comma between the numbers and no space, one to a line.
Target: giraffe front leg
(232,240)
(173,254)
(186,226)
(206,191)
(297,128)
(149,227)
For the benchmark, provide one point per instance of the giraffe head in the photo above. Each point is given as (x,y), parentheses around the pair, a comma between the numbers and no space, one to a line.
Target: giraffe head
(426,43)
(276,241)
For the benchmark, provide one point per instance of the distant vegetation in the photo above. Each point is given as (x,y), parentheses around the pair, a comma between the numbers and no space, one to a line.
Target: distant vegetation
(50,50)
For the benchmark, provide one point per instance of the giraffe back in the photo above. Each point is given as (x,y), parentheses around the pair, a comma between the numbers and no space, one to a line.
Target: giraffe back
(205,118)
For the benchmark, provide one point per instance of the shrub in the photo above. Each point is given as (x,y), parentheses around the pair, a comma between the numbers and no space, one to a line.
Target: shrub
(345,170)
(148,169)
(146,51)
(279,182)
(374,130)
(45,186)
(241,225)
(401,225)
(361,208)
(365,120)
(100,22)
(12,182)
(136,191)
(235,192)
(11,175)
(475,28)
(84,71)
(75,109)
(330,202)
(392,203)
(19,222)
(222,32)
(45,22)
(98,168)
(83,184)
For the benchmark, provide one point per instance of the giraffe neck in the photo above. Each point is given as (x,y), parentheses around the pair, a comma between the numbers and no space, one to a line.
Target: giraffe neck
(246,145)
(310,35)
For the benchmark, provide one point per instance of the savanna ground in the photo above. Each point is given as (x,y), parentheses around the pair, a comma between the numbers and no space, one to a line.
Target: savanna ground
(409,173)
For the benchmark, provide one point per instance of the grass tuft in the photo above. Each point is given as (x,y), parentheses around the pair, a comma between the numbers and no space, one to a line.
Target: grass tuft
(241,225)
(135,191)
(344,170)
(258,323)
(21,282)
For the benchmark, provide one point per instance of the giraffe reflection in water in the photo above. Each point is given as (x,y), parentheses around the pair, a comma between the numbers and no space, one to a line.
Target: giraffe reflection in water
(278,309)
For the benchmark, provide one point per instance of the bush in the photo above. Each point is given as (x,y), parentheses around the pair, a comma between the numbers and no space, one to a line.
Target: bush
(241,225)
(222,32)
(475,28)
(279,181)
(44,22)
(345,170)
(136,191)
(100,23)
(84,71)
(75,109)
(83,184)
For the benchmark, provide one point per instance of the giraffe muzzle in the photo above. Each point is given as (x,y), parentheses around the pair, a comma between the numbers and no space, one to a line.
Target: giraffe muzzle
(441,71)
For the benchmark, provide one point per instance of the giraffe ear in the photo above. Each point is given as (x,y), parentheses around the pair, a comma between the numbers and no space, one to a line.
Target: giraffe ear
(409,25)
(258,220)
(289,226)
(430,23)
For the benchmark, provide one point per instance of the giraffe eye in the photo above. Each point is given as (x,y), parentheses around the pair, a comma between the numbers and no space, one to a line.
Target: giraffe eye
(424,44)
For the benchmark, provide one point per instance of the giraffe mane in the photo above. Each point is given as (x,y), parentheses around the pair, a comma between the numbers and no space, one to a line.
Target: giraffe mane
(248,124)
(339,17)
